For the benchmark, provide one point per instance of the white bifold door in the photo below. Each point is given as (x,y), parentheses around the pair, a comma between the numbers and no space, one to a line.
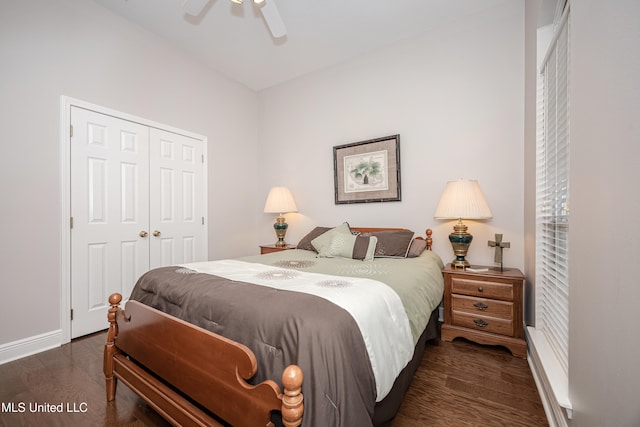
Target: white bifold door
(137,202)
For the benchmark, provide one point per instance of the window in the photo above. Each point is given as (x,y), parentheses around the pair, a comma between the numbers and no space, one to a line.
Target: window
(552,195)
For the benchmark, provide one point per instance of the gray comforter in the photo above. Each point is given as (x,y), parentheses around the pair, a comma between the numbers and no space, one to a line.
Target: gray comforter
(284,327)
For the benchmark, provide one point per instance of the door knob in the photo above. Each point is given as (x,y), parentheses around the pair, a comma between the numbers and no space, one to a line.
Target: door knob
(156,233)
(143,233)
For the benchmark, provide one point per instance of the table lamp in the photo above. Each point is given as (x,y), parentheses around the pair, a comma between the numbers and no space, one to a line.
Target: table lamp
(462,199)
(280,201)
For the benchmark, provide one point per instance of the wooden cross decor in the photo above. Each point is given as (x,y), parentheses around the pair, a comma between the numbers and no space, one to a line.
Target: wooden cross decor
(499,245)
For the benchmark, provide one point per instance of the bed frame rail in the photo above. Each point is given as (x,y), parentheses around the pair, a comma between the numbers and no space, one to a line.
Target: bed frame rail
(207,368)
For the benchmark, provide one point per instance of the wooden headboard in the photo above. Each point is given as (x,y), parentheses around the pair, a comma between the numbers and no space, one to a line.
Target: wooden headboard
(428,232)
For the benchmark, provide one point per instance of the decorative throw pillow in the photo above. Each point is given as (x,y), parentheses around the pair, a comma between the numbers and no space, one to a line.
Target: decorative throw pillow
(350,246)
(392,243)
(305,242)
(323,240)
(416,248)
(364,248)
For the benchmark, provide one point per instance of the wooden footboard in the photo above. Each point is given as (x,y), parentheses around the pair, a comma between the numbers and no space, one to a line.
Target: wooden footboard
(199,369)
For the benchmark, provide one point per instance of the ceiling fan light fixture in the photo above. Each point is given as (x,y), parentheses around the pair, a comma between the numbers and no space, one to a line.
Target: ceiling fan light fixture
(236,1)
(258,2)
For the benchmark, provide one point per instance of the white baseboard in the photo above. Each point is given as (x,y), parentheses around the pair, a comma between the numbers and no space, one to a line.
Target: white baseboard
(31,345)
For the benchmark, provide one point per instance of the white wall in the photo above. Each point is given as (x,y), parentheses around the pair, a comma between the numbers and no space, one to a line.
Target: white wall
(77,48)
(604,377)
(455,96)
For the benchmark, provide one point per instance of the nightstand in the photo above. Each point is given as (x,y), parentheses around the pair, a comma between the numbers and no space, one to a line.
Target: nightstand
(484,307)
(267,249)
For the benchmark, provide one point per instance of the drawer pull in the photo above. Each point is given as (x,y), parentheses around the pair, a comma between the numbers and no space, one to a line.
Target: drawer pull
(480,289)
(480,306)
(481,323)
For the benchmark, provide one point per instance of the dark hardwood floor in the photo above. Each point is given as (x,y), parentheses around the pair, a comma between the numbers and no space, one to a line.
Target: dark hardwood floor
(466,384)
(457,384)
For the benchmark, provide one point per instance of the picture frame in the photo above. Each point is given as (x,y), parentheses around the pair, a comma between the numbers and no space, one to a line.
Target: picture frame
(367,171)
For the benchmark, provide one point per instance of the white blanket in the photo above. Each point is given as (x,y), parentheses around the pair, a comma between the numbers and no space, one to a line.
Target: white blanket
(375,307)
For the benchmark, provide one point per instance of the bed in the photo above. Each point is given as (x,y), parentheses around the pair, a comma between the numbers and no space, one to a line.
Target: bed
(352,318)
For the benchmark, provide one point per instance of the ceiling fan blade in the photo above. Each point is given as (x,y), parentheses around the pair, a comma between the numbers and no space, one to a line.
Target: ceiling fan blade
(194,7)
(273,19)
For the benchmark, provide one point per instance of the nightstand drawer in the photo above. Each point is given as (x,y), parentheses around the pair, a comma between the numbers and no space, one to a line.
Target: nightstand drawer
(482,306)
(482,288)
(483,323)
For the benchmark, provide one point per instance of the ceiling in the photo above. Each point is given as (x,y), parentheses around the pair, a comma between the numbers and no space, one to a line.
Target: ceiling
(234,39)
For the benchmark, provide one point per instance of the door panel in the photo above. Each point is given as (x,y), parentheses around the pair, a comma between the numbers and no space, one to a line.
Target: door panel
(110,207)
(176,199)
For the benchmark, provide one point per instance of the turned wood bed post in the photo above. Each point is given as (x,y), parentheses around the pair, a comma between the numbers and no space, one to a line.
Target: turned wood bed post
(110,346)
(292,399)
(429,239)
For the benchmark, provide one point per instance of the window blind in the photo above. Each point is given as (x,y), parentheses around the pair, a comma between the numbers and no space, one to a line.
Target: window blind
(552,196)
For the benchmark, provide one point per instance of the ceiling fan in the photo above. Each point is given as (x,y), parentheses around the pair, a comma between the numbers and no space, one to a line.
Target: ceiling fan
(267,7)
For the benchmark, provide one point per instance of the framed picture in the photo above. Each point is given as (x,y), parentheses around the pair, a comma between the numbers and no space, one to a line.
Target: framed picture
(367,171)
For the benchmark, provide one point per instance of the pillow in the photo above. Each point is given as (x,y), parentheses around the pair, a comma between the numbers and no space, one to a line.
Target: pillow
(323,240)
(392,243)
(350,246)
(364,248)
(305,242)
(416,248)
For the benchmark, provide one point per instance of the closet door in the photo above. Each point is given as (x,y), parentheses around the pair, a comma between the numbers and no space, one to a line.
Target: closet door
(177,199)
(110,213)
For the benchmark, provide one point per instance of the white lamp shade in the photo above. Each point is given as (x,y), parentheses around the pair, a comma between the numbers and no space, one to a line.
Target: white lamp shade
(280,200)
(462,199)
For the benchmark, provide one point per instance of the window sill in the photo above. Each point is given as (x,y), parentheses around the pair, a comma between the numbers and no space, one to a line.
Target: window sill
(549,371)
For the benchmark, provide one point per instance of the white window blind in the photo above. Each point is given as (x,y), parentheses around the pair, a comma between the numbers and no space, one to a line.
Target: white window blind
(552,196)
